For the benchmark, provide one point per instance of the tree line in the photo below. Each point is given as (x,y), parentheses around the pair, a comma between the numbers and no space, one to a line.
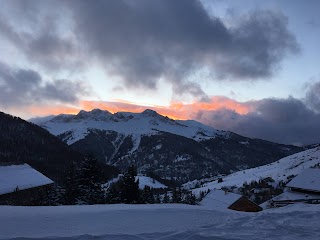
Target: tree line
(85,184)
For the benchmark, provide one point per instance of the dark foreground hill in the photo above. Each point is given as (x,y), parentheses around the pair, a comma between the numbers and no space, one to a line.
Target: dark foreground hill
(24,142)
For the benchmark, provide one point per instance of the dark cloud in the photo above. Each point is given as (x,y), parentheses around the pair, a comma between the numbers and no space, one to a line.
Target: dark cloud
(287,121)
(22,87)
(313,96)
(39,31)
(53,52)
(260,42)
(145,40)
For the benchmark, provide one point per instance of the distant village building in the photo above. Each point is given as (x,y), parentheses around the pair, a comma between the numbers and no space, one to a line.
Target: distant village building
(220,199)
(22,185)
(305,188)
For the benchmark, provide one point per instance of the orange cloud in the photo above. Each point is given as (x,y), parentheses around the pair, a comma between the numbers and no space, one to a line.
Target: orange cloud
(215,103)
(113,107)
(176,110)
(51,110)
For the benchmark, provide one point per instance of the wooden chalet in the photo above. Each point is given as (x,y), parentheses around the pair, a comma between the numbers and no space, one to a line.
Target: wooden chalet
(220,199)
(22,185)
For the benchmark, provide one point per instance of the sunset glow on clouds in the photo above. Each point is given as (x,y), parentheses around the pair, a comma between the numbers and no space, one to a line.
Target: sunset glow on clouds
(257,119)
(176,110)
(234,65)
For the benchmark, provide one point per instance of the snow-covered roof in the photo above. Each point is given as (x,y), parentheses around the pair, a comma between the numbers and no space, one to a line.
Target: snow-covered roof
(21,176)
(219,199)
(294,196)
(309,179)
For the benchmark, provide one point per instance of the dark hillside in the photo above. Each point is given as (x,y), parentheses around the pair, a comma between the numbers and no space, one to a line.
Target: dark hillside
(24,142)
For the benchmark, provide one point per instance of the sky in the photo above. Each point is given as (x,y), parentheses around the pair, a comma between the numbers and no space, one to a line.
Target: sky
(251,67)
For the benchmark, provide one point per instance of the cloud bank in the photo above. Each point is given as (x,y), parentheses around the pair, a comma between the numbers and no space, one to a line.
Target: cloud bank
(145,41)
(24,87)
(288,121)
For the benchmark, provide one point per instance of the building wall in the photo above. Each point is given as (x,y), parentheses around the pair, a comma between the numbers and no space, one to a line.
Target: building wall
(27,197)
(245,205)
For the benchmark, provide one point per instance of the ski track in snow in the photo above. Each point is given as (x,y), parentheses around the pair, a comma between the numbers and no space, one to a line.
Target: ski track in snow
(165,222)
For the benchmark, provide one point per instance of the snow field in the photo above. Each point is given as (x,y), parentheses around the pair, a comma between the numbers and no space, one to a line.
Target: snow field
(165,221)
(147,181)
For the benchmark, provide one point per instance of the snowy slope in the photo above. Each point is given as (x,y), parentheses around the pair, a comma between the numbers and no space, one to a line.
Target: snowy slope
(143,181)
(21,177)
(136,124)
(279,170)
(165,222)
(147,181)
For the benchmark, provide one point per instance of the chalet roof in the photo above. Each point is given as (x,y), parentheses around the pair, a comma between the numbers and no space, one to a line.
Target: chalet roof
(309,180)
(219,199)
(21,176)
(292,196)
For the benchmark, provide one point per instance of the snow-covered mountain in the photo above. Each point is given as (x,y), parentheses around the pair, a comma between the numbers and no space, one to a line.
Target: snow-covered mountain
(280,170)
(136,125)
(173,149)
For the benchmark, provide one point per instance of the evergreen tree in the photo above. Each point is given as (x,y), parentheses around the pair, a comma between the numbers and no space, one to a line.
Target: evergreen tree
(190,198)
(166,198)
(193,200)
(201,196)
(114,193)
(148,195)
(71,189)
(90,182)
(157,199)
(130,192)
(176,196)
(54,196)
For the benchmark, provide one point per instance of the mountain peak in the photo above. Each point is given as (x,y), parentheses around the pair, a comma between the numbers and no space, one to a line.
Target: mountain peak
(96,114)
(98,111)
(149,112)
(82,112)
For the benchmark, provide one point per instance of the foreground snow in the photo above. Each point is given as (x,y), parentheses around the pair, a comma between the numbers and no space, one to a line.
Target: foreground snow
(172,221)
